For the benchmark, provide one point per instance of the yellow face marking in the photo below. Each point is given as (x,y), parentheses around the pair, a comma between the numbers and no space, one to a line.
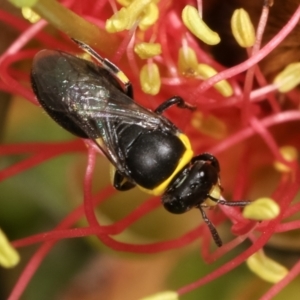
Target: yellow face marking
(215,192)
(186,157)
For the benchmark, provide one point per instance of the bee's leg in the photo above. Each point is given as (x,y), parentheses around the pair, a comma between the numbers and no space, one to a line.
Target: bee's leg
(175,100)
(121,183)
(211,228)
(109,66)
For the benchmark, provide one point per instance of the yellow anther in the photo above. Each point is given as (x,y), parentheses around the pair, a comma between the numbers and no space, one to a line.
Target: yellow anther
(119,21)
(266,268)
(223,86)
(191,19)
(289,78)
(136,7)
(150,79)
(23,3)
(30,15)
(9,257)
(167,295)
(149,16)
(147,50)
(242,28)
(290,154)
(125,18)
(262,209)
(187,61)
(209,125)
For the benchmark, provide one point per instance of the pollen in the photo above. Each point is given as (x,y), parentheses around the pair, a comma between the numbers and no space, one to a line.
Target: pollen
(150,79)
(209,125)
(290,154)
(261,209)
(223,87)
(167,295)
(143,12)
(266,268)
(30,15)
(191,19)
(187,61)
(147,50)
(289,78)
(242,28)
(9,257)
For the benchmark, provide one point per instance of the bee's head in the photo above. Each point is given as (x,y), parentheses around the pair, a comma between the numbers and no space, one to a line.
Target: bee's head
(196,183)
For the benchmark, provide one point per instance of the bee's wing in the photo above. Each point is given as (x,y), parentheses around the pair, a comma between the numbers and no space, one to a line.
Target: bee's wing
(102,116)
(86,100)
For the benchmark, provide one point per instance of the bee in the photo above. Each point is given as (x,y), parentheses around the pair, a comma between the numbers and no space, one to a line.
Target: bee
(95,101)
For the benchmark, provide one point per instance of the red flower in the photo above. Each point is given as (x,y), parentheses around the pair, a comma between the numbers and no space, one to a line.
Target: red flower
(240,118)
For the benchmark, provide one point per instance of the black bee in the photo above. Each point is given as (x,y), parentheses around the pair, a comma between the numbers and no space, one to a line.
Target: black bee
(95,101)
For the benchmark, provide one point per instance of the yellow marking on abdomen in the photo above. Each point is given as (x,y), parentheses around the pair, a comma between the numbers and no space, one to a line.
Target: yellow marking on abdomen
(185,159)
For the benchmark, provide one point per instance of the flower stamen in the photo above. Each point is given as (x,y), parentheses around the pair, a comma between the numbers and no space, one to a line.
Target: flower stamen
(9,257)
(191,19)
(262,209)
(149,17)
(223,86)
(187,61)
(150,78)
(266,268)
(142,11)
(242,28)
(209,125)
(30,15)
(290,154)
(147,50)
(289,78)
